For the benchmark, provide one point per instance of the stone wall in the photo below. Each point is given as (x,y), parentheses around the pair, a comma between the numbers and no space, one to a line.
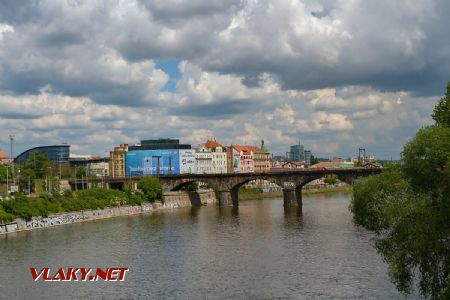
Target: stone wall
(184,199)
(172,200)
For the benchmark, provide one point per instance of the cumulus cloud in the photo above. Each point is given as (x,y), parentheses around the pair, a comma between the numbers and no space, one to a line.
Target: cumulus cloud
(328,73)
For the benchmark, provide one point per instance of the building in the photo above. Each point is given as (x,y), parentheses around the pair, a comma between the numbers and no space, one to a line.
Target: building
(98,169)
(287,166)
(245,158)
(4,159)
(219,156)
(297,153)
(203,160)
(152,162)
(307,157)
(159,144)
(117,161)
(338,164)
(262,159)
(187,161)
(55,153)
(158,157)
(84,160)
(300,154)
(230,158)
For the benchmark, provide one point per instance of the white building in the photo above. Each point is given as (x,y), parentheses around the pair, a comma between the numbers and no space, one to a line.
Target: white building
(98,169)
(219,156)
(203,161)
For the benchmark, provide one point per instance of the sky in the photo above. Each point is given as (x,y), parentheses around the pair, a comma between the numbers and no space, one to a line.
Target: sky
(336,75)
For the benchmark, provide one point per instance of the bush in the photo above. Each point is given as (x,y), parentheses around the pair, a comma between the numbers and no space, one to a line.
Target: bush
(151,188)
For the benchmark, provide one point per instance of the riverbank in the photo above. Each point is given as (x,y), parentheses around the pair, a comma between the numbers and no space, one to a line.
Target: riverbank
(171,200)
(276,194)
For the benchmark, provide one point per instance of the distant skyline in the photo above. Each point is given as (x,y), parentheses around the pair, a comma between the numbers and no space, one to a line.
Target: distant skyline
(338,75)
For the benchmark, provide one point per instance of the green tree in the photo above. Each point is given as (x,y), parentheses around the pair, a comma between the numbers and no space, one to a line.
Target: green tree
(39,163)
(426,159)
(80,172)
(441,113)
(5,172)
(408,207)
(314,160)
(26,179)
(151,187)
(192,187)
(330,179)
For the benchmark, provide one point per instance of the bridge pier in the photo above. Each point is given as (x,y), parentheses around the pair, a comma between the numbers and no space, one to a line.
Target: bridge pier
(289,198)
(228,198)
(298,195)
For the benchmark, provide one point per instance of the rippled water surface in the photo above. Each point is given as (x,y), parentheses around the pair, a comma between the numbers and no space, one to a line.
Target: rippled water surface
(258,251)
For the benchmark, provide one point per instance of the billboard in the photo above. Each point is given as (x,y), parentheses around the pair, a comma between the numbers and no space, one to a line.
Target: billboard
(152,162)
(236,161)
(187,161)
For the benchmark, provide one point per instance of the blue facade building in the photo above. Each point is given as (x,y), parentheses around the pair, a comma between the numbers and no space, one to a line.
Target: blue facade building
(152,162)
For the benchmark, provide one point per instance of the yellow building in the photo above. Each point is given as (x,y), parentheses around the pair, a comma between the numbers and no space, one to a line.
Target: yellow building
(261,159)
(117,161)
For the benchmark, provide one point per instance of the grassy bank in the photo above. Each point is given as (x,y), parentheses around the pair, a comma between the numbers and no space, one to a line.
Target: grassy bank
(45,204)
(257,194)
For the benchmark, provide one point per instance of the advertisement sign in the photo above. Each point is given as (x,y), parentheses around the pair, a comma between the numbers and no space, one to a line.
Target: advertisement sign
(14,188)
(187,161)
(236,161)
(152,162)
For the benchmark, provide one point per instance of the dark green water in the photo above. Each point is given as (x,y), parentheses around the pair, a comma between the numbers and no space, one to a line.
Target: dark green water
(259,251)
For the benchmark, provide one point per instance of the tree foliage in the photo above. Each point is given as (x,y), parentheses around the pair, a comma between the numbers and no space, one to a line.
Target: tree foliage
(408,207)
(151,188)
(39,163)
(80,172)
(5,172)
(45,204)
(441,113)
(314,160)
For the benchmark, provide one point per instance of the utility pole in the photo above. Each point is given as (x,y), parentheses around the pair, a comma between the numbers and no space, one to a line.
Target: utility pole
(7,180)
(11,139)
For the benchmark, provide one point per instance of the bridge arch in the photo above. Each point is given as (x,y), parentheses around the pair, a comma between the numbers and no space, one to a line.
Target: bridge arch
(179,186)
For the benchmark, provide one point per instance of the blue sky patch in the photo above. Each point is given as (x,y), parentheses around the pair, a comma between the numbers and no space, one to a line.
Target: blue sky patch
(170,67)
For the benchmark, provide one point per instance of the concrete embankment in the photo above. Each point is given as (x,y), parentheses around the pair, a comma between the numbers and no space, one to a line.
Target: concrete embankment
(171,200)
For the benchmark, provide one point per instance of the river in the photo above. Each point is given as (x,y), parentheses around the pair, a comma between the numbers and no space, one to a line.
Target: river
(258,251)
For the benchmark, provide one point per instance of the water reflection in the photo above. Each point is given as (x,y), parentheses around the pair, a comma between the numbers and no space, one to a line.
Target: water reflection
(257,250)
(293,216)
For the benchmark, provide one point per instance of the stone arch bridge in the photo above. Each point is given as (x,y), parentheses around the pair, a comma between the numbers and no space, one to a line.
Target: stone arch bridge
(227,185)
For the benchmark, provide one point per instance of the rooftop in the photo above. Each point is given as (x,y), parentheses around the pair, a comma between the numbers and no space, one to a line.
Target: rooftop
(212,144)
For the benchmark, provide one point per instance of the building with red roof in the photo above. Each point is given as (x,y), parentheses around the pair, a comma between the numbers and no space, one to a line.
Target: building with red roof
(4,159)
